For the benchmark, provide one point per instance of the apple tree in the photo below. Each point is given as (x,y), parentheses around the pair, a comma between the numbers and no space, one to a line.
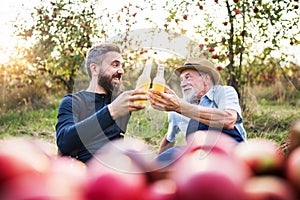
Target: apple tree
(61,32)
(235,33)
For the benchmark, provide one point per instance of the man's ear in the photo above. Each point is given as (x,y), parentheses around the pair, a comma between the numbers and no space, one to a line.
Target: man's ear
(94,70)
(207,76)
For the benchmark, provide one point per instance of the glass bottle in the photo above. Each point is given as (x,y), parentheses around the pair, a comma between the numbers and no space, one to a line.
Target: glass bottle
(144,80)
(159,80)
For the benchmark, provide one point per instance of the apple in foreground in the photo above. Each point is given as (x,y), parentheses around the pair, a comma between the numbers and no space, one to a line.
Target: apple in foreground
(210,173)
(261,155)
(268,187)
(293,169)
(118,171)
(20,156)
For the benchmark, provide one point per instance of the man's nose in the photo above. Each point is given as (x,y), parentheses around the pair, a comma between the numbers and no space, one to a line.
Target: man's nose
(183,83)
(121,71)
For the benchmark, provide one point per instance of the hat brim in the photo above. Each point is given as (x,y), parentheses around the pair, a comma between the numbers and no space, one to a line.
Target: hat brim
(215,75)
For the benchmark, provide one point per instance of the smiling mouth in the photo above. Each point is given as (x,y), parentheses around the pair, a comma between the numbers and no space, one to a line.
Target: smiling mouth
(116,79)
(187,89)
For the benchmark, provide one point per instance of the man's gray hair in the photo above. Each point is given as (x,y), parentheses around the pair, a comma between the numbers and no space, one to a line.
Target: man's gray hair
(95,53)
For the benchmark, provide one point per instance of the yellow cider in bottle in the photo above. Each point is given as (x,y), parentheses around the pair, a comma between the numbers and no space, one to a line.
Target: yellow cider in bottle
(144,79)
(159,80)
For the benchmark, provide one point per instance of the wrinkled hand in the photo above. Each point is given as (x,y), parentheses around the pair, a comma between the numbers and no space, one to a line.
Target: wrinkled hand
(166,101)
(126,103)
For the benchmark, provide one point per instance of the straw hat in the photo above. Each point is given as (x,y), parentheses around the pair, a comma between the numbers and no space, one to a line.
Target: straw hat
(201,65)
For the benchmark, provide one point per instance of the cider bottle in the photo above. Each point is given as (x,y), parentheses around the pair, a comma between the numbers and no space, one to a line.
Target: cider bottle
(144,79)
(159,80)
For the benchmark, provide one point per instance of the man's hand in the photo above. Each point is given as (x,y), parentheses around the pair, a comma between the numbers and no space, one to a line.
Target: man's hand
(126,102)
(166,101)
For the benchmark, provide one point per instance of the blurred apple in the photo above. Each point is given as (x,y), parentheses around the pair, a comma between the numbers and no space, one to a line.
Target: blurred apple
(29,170)
(163,189)
(111,184)
(48,185)
(212,138)
(294,136)
(31,185)
(210,173)
(20,156)
(66,178)
(261,155)
(134,155)
(118,171)
(268,187)
(208,186)
(293,169)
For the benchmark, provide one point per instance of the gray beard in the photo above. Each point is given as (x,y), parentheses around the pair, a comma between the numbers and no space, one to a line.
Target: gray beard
(192,99)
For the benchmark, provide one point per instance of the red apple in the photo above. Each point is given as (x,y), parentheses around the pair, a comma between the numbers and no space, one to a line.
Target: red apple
(32,171)
(211,49)
(114,185)
(134,156)
(215,56)
(66,178)
(294,136)
(209,172)
(20,156)
(261,155)
(118,171)
(293,169)
(268,187)
(212,138)
(31,185)
(41,186)
(209,186)
(237,11)
(219,68)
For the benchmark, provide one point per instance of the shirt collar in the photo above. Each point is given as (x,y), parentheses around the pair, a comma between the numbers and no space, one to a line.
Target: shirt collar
(210,94)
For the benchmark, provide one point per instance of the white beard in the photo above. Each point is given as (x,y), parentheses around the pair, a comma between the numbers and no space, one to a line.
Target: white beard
(191,97)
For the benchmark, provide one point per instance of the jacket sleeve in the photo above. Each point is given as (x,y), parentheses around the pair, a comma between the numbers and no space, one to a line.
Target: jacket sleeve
(71,134)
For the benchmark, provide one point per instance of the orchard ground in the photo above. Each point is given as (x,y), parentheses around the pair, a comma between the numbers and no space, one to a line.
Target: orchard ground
(265,118)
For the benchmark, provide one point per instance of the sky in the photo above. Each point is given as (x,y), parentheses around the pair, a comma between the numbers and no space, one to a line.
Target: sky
(9,10)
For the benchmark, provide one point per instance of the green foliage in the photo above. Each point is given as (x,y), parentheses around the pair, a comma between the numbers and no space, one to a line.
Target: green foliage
(62,32)
(231,33)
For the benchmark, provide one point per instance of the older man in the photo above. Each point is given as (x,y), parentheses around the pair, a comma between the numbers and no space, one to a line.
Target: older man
(218,105)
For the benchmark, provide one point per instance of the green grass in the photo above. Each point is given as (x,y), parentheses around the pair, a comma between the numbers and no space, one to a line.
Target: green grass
(272,121)
(37,123)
